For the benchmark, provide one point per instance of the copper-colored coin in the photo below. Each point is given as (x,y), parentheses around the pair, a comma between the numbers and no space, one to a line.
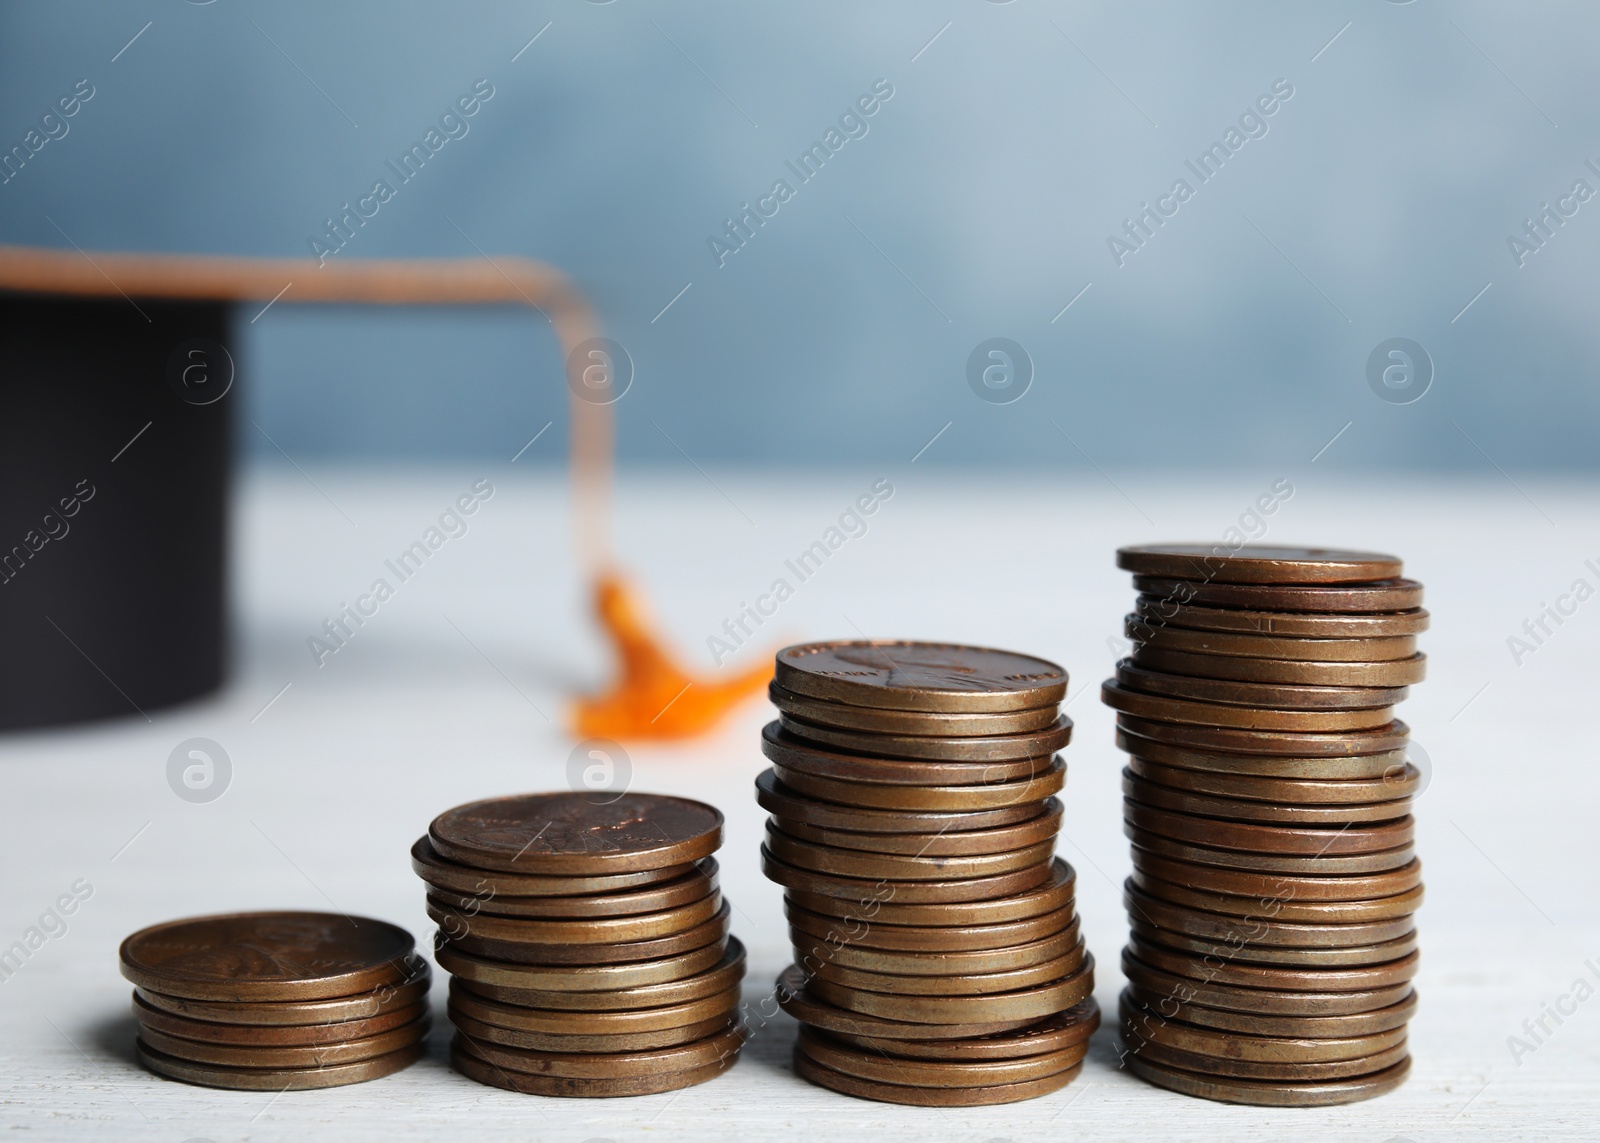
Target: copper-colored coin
(809,1069)
(1313,864)
(958,843)
(1161,797)
(1380,953)
(914,722)
(795,998)
(1313,840)
(907,892)
(568,1042)
(1158,611)
(1292,1093)
(580,978)
(884,905)
(792,806)
(1276,977)
(1283,907)
(880,1067)
(579,931)
(1052,1034)
(809,954)
(1278,886)
(621,952)
(1299,744)
(1365,767)
(1390,595)
(715,980)
(268,956)
(1256,1024)
(1276,696)
(286,1013)
(1293,1071)
(1141,1023)
(1267,1001)
(473,1066)
(986,984)
(1298,649)
(500,1022)
(278,1079)
(567,833)
(968,748)
(611,1065)
(696,885)
(1166,709)
(1261,928)
(1021,1004)
(454,877)
(279,1035)
(285,1056)
(901,867)
(960,799)
(862,933)
(1402,783)
(801,757)
(894,674)
(1257,563)
(1393,673)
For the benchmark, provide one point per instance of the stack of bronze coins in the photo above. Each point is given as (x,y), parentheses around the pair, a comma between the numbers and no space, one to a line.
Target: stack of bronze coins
(1268,799)
(277,1001)
(587,942)
(937,953)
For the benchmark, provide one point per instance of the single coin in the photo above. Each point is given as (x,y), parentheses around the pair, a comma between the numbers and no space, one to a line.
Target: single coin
(1241,668)
(1276,696)
(610,1065)
(285,1056)
(622,952)
(1403,783)
(580,978)
(454,877)
(800,757)
(568,1042)
(858,933)
(792,806)
(1358,767)
(960,843)
(914,722)
(502,1023)
(809,954)
(1269,1002)
(1299,744)
(278,1079)
(1256,1024)
(579,931)
(885,905)
(1259,929)
(1269,838)
(1161,797)
(988,984)
(809,1069)
(883,1068)
(1278,886)
(1294,1070)
(696,885)
(1052,1034)
(567,833)
(1279,978)
(959,799)
(1158,611)
(475,1067)
(715,980)
(1283,907)
(382,999)
(939,748)
(907,892)
(902,867)
(1262,1094)
(905,675)
(1296,648)
(1257,563)
(1021,1004)
(1141,1023)
(1379,953)
(268,956)
(280,1035)
(1391,595)
(798,1001)
(1314,864)
(1166,709)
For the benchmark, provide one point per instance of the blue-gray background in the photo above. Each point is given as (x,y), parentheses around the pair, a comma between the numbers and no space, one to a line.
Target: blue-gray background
(1378,205)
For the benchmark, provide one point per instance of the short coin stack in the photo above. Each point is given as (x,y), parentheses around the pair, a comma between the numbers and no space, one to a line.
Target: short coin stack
(587,941)
(938,958)
(1268,799)
(277,1001)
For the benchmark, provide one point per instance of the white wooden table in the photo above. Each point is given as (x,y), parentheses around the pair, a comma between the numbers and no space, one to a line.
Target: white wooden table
(455,690)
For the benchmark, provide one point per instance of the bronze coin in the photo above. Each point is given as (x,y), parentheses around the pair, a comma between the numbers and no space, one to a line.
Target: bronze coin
(895,866)
(1315,864)
(965,889)
(1276,696)
(1270,1002)
(1294,1070)
(567,833)
(1158,611)
(1392,595)
(1298,744)
(1298,649)
(1292,1093)
(1379,953)
(697,884)
(986,984)
(569,1042)
(611,1065)
(1279,908)
(1286,887)
(279,1035)
(1259,929)
(477,1068)
(1393,786)
(1257,564)
(289,1056)
(268,956)
(1166,709)
(1303,840)
(811,953)
(956,843)
(819,712)
(1364,767)
(454,877)
(1275,977)
(968,748)
(883,904)
(1021,1004)
(278,1079)
(1141,1023)
(503,1023)
(959,799)
(858,933)
(800,757)
(581,931)
(700,936)
(1255,1024)
(580,978)
(1160,797)
(1393,673)
(715,980)
(881,1067)
(795,998)
(285,1013)
(994,1094)
(1052,1034)
(792,806)
(905,675)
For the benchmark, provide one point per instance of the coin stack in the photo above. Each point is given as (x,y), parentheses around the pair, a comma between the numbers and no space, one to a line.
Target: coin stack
(587,942)
(274,1001)
(1268,799)
(937,954)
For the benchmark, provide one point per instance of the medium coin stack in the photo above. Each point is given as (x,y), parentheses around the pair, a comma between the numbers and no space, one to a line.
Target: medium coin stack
(274,1001)
(587,942)
(1268,799)
(938,958)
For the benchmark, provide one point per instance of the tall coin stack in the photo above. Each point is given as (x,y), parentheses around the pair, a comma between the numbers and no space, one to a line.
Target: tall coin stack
(277,1001)
(1268,799)
(937,954)
(587,941)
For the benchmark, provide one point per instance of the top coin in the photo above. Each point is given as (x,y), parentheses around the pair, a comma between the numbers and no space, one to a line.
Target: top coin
(1257,563)
(268,956)
(903,675)
(567,833)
